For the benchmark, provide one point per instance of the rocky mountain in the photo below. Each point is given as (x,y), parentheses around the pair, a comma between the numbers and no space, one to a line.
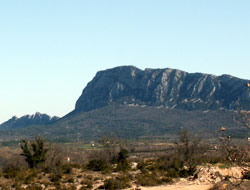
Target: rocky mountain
(170,88)
(27,120)
(127,102)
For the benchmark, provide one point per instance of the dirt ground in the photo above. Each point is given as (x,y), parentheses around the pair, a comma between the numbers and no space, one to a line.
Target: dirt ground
(206,177)
(178,187)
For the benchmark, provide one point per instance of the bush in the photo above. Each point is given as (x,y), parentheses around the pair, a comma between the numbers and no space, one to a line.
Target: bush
(121,182)
(173,166)
(182,160)
(55,178)
(98,165)
(67,168)
(34,152)
(214,158)
(4,187)
(148,179)
(34,187)
(87,184)
(167,179)
(11,172)
(122,162)
(149,165)
(30,177)
(246,175)
(70,180)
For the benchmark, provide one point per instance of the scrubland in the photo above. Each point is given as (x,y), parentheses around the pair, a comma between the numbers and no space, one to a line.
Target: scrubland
(188,163)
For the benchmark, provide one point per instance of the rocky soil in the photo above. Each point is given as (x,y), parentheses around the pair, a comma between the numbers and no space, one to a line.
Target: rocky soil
(79,179)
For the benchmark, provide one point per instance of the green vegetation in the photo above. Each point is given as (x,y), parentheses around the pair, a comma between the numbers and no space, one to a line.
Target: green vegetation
(122,162)
(120,182)
(126,122)
(98,165)
(34,152)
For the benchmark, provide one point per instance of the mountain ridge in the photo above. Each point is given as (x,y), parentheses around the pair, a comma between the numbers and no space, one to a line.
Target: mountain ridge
(26,120)
(132,103)
(167,87)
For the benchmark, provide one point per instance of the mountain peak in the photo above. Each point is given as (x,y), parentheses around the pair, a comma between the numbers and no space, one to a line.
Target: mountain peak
(26,120)
(163,87)
(14,118)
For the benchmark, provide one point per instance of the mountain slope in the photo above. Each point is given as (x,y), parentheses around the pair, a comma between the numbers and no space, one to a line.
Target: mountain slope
(167,87)
(133,122)
(24,121)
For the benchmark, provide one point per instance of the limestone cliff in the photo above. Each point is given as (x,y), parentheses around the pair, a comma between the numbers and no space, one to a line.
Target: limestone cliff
(163,87)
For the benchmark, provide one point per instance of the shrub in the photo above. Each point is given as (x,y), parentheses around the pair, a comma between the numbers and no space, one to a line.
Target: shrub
(34,152)
(87,184)
(121,182)
(67,168)
(34,187)
(190,150)
(72,187)
(55,178)
(4,187)
(141,165)
(71,180)
(167,179)
(30,177)
(183,159)
(122,162)
(11,172)
(144,166)
(246,175)
(98,165)
(148,179)
(172,165)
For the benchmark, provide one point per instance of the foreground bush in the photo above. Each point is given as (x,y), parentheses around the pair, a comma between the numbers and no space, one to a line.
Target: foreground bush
(34,152)
(122,162)
(148,179)
(11,172)
(121,182)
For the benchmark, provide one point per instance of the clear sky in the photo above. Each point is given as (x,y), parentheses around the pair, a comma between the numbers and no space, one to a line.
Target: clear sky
(50,49)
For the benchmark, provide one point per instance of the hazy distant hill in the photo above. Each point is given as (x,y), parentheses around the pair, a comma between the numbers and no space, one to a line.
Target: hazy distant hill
(24,121)
(163,87)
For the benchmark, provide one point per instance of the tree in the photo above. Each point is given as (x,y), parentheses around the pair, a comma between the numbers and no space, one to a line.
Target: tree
(34,152)
(122,162)
(190,150)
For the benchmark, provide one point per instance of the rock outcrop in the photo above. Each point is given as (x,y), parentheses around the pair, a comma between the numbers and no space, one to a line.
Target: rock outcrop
(164,87)
(27,120)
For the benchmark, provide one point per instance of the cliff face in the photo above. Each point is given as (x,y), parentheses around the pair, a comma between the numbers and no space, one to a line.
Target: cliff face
(163,87)
(24,121)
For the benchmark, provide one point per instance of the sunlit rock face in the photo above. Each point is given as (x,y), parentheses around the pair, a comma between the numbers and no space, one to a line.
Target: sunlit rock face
(164,87)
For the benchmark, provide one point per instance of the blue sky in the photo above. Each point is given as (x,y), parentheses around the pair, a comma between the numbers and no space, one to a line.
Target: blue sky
(50,50)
